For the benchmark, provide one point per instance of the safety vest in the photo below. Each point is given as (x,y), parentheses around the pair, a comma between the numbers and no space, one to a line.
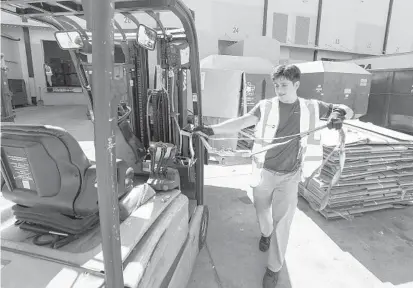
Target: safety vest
(266,128)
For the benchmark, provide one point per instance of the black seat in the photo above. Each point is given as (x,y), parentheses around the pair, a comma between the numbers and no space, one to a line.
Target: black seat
(44,167)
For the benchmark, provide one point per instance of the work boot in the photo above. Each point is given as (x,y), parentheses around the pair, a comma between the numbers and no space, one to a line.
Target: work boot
(270,279)
(265,243)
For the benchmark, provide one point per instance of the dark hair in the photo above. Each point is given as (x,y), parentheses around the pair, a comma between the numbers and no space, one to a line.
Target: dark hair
(290,72)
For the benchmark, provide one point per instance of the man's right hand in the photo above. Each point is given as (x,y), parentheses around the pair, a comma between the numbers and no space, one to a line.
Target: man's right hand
(207,130)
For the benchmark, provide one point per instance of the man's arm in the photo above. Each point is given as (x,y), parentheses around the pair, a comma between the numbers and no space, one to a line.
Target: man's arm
(327,108)
(239,123)
(235,124)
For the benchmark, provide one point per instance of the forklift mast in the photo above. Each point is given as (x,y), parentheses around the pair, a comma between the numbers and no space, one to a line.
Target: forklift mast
(157,113)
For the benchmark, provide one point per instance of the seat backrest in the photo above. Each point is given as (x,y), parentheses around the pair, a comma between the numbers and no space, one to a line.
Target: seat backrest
(42,166)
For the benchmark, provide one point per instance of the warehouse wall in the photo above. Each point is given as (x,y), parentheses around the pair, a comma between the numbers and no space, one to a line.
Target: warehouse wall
(17,70)
(335,55)
(245,22)
(11,50)
(36,37)
(394,61)
(352,25)
(345,25)
(217,21)
(292,21)
(256,47)
(36,85)
(228,19)
(401,32)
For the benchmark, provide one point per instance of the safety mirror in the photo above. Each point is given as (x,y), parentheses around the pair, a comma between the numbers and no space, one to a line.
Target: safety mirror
(146,37)
(69,40)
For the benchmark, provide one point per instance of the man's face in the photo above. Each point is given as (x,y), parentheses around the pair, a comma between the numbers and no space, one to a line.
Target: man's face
(285,89)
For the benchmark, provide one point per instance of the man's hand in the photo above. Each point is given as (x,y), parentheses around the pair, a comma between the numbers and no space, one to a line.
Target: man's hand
(335,121)
(207,130)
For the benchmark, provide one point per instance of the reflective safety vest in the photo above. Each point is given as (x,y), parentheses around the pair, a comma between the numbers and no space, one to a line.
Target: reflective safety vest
(266,128)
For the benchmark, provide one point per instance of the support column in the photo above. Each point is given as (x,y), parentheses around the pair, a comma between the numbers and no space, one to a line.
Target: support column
(264,18)
(317,32)
(105,140)
(388,21)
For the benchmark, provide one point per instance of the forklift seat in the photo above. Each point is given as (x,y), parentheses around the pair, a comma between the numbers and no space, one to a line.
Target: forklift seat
(45,167)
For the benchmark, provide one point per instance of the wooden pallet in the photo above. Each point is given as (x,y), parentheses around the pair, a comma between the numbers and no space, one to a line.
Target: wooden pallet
(378,174)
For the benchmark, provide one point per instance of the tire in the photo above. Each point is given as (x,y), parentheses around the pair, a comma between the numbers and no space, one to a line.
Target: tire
(203,229)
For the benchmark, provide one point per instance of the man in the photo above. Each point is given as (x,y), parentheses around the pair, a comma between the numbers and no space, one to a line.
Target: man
(48,72)
(277,172)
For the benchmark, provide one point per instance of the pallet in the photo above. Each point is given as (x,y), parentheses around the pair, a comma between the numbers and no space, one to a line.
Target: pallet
(377,174)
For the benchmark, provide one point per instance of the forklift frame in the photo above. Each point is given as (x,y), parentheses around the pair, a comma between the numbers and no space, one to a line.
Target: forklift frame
(54,13)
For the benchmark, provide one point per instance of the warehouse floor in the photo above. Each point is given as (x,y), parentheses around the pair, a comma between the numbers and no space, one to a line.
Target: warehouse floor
(375,250)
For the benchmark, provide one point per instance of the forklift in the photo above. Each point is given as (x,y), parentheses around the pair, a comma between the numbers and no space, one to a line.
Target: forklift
(128,210)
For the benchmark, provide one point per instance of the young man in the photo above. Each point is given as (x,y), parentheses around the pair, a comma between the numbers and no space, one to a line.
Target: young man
(277,172)
(48,72)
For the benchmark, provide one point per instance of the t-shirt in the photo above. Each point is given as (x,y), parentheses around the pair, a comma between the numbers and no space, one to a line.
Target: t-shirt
(284,158)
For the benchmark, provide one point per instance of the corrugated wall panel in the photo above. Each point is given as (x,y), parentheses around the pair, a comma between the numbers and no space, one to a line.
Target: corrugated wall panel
(302,30)
(280,27)
(354,25)
(401,32)
(300,55)
(298,12)
(369,38)
(236,21)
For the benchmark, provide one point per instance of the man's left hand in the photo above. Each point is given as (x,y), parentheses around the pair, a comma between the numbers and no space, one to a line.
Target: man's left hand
(335,121)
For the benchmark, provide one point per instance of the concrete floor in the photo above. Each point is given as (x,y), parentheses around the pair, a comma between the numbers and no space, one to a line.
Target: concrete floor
(375,250)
